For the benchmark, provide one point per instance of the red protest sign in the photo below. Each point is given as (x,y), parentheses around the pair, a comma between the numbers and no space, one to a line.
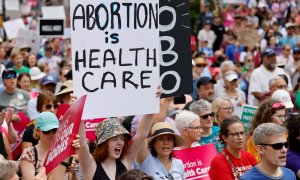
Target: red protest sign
(197,160)
(20,127)
(90,126)
(61,145)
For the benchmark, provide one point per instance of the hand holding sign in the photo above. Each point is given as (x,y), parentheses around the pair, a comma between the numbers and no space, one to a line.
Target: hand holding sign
(61,145)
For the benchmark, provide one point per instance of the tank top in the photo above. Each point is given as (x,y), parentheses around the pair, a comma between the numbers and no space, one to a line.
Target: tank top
(2,148)
(101,174)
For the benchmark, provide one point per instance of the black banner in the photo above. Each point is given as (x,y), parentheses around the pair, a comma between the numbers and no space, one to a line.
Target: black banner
(52,27)
(175,38)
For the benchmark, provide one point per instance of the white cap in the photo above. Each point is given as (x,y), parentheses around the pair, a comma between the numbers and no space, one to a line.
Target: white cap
(284,97)
(36,74)
(231,75)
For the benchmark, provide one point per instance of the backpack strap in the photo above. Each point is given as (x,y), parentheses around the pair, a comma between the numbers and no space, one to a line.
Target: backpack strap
(234,170)
(36,158)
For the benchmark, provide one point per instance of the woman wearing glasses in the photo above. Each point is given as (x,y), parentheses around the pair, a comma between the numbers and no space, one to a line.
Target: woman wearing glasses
(210,133)
(188,124)
(233,161)
(46,101)
(32,158)
(222,108)
(270,111)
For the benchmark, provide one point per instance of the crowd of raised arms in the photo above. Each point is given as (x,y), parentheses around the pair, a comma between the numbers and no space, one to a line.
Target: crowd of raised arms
(243,54)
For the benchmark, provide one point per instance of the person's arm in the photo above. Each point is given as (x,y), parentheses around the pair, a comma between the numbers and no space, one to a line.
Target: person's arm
(87,162)
(140,137)
(258,95)
(7,146)
(12,134)
(164,108)
(27,169)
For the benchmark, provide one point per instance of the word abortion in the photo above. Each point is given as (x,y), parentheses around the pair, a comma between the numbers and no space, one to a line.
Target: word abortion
(116,16)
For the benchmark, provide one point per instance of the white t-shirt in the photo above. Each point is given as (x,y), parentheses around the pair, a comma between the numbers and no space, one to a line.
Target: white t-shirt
(259,82)
(31,109)
(53,64)
(209,35)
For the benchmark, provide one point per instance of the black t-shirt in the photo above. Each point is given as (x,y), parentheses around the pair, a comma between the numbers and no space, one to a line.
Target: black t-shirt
(28,135)
(219,31)
(2,147)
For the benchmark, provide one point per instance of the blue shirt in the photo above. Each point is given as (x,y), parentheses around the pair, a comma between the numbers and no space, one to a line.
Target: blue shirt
(288,40)
(213,138)
(230,51)
(257,174)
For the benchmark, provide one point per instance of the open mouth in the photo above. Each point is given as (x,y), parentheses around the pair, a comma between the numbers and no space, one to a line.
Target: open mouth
(165,148)
(118,151)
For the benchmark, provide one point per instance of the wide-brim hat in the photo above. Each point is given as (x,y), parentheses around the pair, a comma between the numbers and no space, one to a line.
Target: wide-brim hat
(109,128)
(36,73)
(163,128)
(66,87)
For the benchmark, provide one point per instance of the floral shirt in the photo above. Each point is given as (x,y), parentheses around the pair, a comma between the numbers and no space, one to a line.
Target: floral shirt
(28,154)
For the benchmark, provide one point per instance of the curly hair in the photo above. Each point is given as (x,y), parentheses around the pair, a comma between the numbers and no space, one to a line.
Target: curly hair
(264,114)
(293,126)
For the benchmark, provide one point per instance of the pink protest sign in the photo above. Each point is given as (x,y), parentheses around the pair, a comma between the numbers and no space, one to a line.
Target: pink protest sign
(197,160)
(90,126)
(61,145)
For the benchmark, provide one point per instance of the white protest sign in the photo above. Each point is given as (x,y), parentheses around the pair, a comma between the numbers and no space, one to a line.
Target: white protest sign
(115,54)
(53,12)
(28,38)
(12,5)
(12,27)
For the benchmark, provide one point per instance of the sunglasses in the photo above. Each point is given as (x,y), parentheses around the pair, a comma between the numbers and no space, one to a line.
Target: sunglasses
(51,130)
(49,106)
(10,76)
(277,146)
(200,65)
(206,115)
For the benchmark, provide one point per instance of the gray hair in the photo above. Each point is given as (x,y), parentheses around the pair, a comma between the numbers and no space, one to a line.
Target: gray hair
(200,106)
(273,80)
(185,119)
(8,168)
(225,64)
(266,130)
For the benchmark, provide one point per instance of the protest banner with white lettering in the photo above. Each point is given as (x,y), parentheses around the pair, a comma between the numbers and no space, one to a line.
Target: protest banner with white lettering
(175,37)
(197,161)
(90,127)
(61,145)
(12,27)
(247,115)
(51,27)
(28,38)
(117,62)
(20,126)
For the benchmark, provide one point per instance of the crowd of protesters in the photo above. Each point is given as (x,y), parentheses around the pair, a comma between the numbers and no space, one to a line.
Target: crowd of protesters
(264,72)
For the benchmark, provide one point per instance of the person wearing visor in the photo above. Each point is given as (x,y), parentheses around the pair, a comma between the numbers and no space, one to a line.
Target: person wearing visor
(270,111)
(271,144)
(232,91)
(32,158)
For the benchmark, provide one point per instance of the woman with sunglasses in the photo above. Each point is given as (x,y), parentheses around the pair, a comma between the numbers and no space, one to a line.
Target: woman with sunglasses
(188,124)
(46,101)
(222,108)
(233,161)
(210,133)
(32,158)
(270,111)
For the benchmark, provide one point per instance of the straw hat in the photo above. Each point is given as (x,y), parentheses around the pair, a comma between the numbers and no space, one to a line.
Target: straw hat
(66,87)
(163,128)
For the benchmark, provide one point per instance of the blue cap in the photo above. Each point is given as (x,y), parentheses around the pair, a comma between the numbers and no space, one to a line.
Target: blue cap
(46,121)
(49,78)
(269,52)
(296,50)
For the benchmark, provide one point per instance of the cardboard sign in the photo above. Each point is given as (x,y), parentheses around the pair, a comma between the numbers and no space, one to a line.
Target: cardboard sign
(12,27)
(197,161)
(175,38)
(20,127)
(51,27)
(115,53)
(248,37)
(53,12)
(12,5)
(247,116)
(28,38)
(61,145)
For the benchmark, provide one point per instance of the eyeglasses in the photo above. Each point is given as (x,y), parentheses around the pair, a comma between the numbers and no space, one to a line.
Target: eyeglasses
(237,134)
(198,128)
(228,109)
(277,146)
(281,116)
(51,130)
(278,105)
(200,65)
(49,106)
(208,115)
(10,76)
